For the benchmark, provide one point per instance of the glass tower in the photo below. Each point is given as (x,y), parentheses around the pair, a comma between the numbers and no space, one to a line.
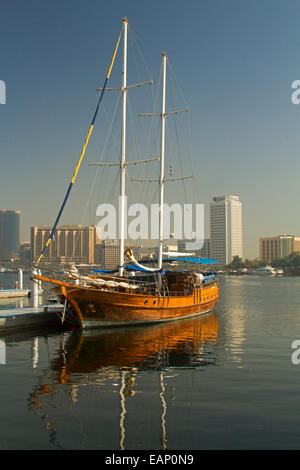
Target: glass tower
(226,229)
(9,233)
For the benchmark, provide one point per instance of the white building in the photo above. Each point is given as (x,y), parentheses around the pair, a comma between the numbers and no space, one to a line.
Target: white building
(226,229)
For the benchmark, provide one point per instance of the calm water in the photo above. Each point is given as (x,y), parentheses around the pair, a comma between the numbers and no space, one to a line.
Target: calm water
(221,381)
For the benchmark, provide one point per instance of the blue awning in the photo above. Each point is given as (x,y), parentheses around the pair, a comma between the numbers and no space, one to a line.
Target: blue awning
(187,259)
(138,268)
(191,259)
(127,267)
(105,271)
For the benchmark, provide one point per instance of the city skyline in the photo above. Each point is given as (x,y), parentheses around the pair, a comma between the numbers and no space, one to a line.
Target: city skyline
(241,65)
(84,244)
(235,226)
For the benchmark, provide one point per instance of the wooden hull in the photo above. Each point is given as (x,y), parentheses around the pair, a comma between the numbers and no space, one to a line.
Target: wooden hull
(103,308)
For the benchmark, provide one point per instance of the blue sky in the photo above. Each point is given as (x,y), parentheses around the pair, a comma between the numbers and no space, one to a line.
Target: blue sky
(235,61)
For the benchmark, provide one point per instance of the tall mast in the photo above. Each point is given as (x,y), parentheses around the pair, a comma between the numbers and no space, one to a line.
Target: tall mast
(123,149)
(162,161)
(162,180)
(123,164)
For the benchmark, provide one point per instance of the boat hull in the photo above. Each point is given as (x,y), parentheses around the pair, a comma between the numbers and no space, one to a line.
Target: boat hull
(95,315)
(88,324)
(96,308)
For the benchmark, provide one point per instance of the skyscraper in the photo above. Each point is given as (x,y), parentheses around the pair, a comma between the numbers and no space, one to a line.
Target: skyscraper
(9,233)
(226,229)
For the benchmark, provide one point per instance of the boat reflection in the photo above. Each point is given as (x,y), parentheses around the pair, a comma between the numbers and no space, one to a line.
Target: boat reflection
(119,356)
(172,344)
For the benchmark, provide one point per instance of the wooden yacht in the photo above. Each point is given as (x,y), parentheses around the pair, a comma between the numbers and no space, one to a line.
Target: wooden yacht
(153,295)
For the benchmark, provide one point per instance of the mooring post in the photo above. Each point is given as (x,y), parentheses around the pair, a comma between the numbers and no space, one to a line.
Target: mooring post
(35,289)
(20,285)
(40,282)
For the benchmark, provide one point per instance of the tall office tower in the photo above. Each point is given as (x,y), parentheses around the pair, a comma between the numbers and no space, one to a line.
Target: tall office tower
(72,243)
(226,229)
(9,233)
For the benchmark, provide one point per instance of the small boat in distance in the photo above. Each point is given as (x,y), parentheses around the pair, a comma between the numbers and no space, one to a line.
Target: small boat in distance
(265,271)
(152,295)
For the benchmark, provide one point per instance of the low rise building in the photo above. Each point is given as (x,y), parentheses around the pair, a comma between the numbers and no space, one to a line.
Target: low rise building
(280,246)
(72,243)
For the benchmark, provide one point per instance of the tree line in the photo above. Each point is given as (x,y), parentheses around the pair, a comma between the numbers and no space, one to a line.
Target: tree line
(290,261)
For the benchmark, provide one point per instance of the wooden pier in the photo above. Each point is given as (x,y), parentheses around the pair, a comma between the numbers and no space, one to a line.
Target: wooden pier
(24,318)
(13,293)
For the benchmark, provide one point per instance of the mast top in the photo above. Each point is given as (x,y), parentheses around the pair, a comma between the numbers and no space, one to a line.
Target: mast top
(125,20)
(164,54)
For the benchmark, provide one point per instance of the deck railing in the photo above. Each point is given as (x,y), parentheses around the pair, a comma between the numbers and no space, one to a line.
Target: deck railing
(148,289)
(143,288)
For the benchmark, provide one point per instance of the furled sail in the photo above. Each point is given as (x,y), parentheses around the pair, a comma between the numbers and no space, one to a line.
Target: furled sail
(96,282)
(131,258)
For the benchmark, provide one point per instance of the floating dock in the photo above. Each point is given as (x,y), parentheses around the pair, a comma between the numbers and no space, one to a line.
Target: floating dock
(16,319)
(19,291)
(30,317)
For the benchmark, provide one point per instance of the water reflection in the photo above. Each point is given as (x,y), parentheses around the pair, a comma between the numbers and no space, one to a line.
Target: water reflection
(176,344)
(114,358)
(233,306)
(19,302)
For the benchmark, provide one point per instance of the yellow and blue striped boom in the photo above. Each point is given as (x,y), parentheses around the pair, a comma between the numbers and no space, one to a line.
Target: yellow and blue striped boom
(52,234)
